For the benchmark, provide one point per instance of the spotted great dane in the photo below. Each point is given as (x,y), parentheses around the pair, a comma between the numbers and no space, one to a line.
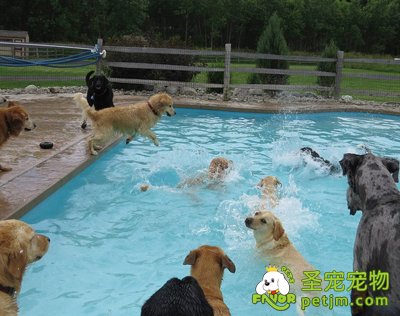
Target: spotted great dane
(372,190)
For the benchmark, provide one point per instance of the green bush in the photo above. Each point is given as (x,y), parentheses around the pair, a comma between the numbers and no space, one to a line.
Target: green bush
(253,79)
(272,41)
(148,74)
(216,77)
(330,51)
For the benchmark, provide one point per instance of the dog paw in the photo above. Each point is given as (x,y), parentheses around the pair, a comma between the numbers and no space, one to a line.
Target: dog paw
(94,153)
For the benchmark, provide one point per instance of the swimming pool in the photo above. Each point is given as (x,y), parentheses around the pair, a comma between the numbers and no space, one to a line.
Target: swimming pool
(113,245)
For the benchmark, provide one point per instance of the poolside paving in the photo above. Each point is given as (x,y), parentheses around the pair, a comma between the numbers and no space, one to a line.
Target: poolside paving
(38,172)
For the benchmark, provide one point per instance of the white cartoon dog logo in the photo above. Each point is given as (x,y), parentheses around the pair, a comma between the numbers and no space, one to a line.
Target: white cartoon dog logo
(273,282)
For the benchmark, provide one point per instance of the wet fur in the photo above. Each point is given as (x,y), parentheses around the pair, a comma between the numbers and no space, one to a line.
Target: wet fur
(128,120)
(19,246)
(207,267)
(218,168)
(269,191)
(178,298)
(275,246)
(13,119)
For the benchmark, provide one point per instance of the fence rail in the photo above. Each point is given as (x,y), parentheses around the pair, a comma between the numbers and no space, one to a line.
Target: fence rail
(229,64)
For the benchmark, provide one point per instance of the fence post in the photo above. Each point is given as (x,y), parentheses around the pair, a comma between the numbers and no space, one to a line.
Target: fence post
(227,71)
(339,70)
(99,62)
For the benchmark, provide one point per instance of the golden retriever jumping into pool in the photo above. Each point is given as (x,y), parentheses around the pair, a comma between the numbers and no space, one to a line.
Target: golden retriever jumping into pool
(128,120)
(19,246)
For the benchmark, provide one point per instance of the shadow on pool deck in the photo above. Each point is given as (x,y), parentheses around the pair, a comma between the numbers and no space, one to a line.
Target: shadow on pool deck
(38,172)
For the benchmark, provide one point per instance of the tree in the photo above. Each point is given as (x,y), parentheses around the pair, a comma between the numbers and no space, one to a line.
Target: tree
(272,41)
(330,51)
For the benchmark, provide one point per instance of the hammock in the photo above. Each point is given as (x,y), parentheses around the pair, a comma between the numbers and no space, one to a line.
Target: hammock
(78,60)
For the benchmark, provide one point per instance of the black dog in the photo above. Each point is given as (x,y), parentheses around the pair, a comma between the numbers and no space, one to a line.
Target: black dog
(178,298)
(316,157)
(99,93)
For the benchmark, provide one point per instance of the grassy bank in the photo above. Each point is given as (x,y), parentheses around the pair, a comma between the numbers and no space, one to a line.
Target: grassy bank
(19,77)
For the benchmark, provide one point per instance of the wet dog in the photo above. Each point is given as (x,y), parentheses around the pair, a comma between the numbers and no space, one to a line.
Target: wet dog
(99,93)
(372,190)
(13,119)
(275,246)
(208,265)
(218,169)
(269,191)
(19,246)
(129,120)
(178,298)
(307,151)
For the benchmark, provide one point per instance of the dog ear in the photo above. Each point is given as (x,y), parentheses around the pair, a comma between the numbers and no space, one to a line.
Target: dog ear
(228,263)
(17,262)
(13,265)
(191,258)
(392,165)
(15,121)
(278,230)
(11,104)
(350,162)
(283,285)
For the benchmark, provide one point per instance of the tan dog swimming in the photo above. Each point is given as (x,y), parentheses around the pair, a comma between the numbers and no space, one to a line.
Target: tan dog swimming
(19,246)
(129,120)
(269,191)
(218,169)
(275,246)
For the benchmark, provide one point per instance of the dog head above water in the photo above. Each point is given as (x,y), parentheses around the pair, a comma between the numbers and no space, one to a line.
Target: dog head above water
(266,227)
(219,167)
(19,246)
(269,182)
(209,260)
(371,180)
(161,103)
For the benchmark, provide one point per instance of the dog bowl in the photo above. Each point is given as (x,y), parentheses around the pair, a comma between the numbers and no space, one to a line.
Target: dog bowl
(46,145)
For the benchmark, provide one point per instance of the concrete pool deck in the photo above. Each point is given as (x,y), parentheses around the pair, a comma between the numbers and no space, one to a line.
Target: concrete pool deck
(38,172)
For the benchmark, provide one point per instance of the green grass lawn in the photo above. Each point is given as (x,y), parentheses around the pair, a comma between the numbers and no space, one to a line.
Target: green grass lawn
(34,75)
(392,86)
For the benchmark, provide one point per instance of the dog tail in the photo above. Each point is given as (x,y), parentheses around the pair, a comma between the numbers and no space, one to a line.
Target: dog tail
(82,102)
(88,77)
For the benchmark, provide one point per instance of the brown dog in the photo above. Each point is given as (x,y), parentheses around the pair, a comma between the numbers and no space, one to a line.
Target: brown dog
(19,246)
(208,264)
(269,191)
(275,245)
(13,119)
(127,120)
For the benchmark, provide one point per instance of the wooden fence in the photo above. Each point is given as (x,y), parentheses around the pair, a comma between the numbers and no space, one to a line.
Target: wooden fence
(228,56)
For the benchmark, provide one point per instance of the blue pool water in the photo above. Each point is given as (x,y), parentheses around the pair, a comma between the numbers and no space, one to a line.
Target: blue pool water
(112,245)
